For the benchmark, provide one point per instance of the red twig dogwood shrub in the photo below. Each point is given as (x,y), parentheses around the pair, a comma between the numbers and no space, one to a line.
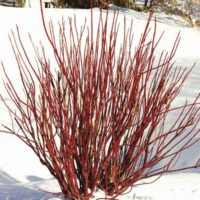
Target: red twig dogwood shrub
(98,119)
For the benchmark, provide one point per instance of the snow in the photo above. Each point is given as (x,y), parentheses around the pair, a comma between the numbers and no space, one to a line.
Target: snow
(22,177)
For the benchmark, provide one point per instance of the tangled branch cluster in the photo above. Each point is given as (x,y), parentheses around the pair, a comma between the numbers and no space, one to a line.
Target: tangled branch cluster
(100,120)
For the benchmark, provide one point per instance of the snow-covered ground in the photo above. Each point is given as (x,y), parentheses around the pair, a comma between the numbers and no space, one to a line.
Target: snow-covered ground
(22,177)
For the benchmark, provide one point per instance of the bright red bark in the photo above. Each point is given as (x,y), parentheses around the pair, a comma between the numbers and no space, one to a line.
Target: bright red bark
(100,120)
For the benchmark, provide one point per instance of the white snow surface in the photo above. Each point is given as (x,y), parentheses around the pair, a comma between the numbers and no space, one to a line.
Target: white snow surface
(22,177)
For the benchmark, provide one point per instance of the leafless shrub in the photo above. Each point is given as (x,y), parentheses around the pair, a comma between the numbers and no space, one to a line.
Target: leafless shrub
(100,120)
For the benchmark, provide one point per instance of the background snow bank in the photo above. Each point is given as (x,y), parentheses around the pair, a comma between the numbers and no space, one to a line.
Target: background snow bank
(21,175)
